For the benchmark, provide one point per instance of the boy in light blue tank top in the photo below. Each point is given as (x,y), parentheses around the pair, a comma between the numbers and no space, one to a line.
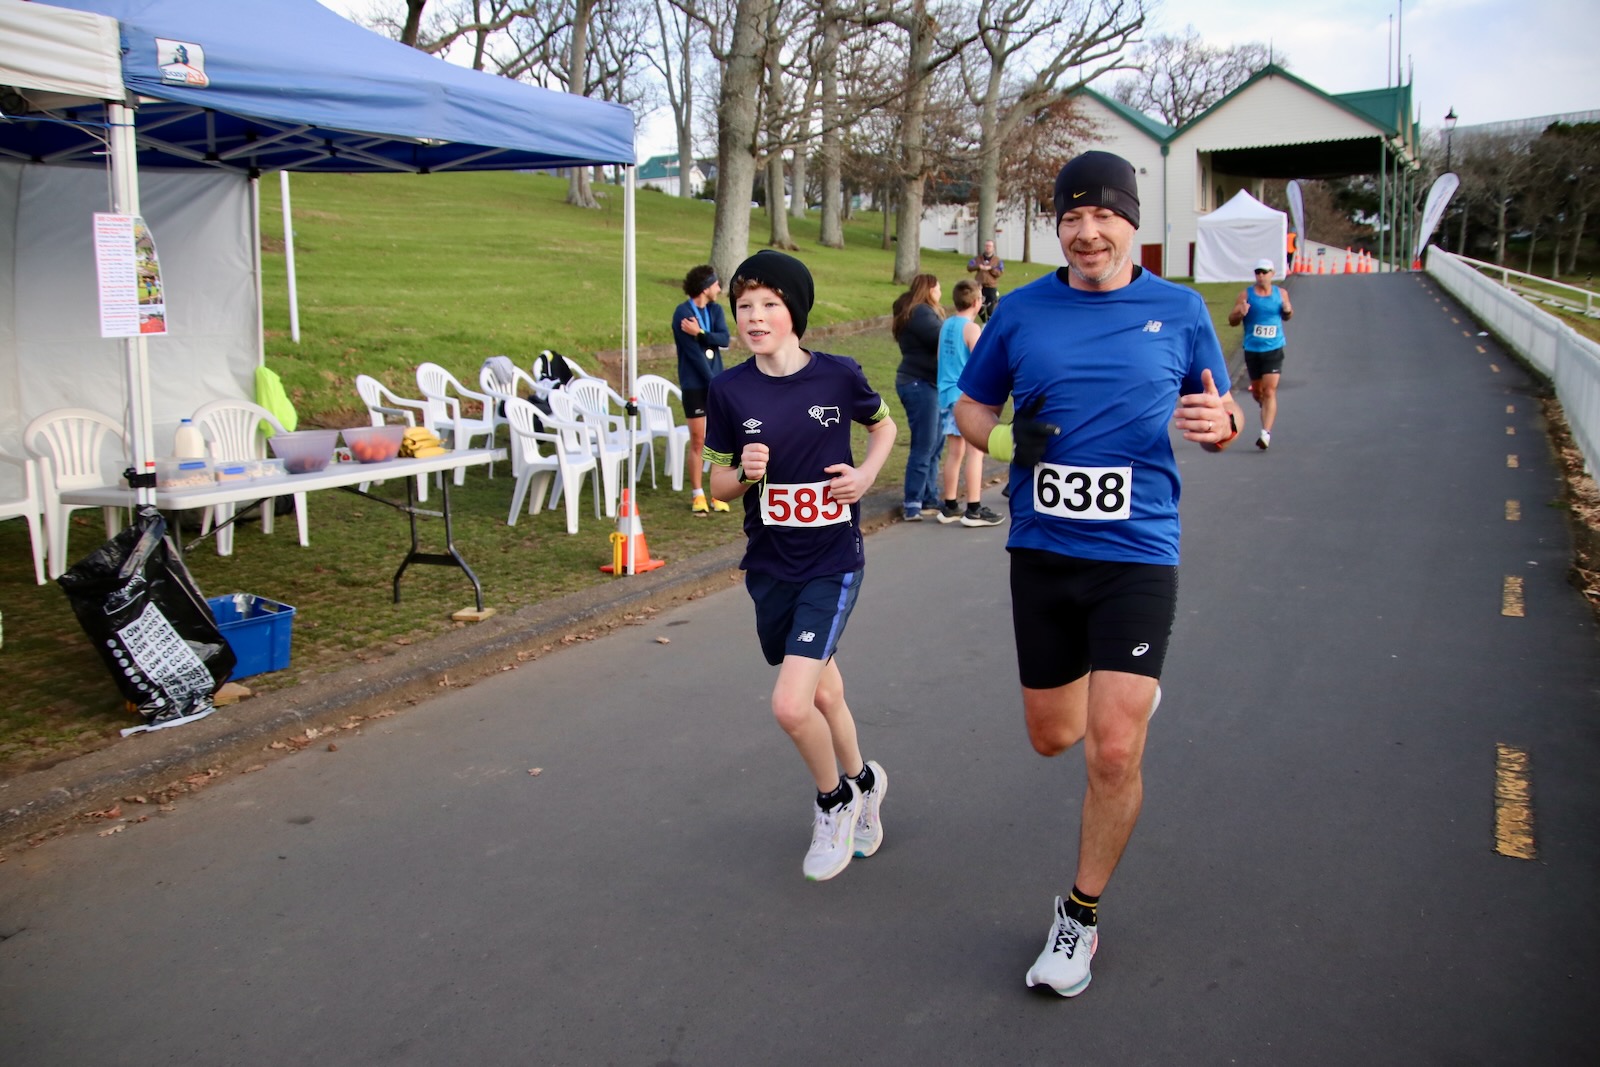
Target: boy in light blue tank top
(956,338)
(1263,309)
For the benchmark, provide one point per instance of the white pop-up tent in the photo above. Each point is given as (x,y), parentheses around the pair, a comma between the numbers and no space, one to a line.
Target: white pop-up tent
(1231,240)
(172,109)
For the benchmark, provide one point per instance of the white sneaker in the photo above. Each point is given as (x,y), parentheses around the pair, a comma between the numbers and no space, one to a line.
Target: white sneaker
(832,838)
(1264,440)
(869,830)
(1064,963)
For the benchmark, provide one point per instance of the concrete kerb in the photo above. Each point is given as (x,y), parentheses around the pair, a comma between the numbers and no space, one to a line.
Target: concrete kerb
(46,801)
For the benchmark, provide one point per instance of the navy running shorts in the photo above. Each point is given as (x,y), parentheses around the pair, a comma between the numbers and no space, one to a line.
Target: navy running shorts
(1260,364)
(1072,616)
(694,403)
(802,618)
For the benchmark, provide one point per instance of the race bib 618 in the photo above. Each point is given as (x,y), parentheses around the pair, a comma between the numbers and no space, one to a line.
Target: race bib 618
(1091,493)
(1266,332)
(805,505)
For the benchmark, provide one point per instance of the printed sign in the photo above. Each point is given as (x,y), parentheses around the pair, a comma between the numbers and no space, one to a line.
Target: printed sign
(132,300)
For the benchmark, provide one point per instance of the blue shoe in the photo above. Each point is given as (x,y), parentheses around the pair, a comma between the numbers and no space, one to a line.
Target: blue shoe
(912,513)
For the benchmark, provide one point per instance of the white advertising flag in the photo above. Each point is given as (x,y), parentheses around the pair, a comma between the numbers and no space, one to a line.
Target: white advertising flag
(1438,199)
(1297,209)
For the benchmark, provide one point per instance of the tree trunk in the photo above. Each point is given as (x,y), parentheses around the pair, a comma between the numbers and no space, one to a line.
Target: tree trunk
(578,192)
(908,252)
(1500,234)
(797,176)
(777,218)
(736,135)
(834,205)
(413,26)
(1577,241)
(888,224)
(775,213)
(989,159)
(1461,234)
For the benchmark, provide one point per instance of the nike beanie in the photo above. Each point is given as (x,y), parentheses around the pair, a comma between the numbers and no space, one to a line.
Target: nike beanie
(1098,179)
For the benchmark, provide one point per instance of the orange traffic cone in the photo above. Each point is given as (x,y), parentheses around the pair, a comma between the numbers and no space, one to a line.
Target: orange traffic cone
(629,530)
(1319,263)
(1347,261)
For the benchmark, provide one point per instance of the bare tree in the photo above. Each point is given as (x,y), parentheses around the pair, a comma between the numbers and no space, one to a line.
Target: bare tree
(1039,144)
(674,61)
(1180,77)
(1083,36)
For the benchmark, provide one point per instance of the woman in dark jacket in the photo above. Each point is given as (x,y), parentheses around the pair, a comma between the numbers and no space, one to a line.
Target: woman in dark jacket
(917,320)
(701,332)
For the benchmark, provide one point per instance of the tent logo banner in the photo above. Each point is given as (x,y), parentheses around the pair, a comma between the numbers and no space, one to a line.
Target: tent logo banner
(182,63)
(132,300)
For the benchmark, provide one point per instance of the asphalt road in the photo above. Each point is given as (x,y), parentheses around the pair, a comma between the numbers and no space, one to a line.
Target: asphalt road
(1314,880)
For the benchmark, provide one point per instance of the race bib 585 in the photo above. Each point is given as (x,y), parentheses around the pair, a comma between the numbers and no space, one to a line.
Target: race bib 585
(1096,493)
(805,504)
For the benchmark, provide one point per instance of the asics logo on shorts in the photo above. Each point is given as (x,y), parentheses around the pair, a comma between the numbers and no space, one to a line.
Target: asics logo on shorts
(1141,648)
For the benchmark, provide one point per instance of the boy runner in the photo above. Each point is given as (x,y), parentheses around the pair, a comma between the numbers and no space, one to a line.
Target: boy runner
(779,424)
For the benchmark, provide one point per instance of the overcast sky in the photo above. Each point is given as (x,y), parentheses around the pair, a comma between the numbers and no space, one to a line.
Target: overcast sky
(1489,59)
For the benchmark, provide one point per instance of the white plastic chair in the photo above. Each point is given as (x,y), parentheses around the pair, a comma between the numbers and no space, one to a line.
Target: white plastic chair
(381,403)
(71,447)
(606,437)
(500,390)
(570,457)
(232,429)
(29,506)
(442,395)
(657,422)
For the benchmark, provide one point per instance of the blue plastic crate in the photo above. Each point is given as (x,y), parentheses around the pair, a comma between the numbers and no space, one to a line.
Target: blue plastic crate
(257,629)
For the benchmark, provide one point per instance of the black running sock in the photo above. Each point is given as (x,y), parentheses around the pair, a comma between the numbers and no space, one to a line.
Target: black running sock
(836,799)
(972,509)
(1081,906)
(866,779)
(948,504)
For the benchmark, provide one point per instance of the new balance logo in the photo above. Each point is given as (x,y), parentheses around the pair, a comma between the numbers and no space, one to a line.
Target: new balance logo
(807,636)
(1153,326)
(824,415)
(752,425)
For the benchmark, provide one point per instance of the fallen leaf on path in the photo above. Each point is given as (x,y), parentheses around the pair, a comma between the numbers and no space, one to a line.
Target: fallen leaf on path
(117,829)
(536,771)
(253,768)
(663,640)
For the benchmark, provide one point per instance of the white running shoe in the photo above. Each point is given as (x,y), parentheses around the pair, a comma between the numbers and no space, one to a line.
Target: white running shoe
(832,838)
(1264,440)
(869,830)
(1064,963)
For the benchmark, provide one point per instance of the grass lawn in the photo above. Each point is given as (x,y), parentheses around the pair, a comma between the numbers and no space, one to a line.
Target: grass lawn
(392,271)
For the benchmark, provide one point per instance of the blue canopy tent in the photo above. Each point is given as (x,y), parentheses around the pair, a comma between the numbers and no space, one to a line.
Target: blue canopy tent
(240,89)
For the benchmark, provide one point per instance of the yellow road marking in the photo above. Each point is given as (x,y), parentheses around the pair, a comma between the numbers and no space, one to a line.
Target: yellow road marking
(1495,367)
(1511,597)
(1513,511)
(1513,803)
(1511,461)
(1466,333)
(1455,320)
(1511,431)
(1511,409)
(1482,349)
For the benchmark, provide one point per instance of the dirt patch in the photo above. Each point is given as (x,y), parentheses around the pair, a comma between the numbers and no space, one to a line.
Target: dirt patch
(1581,498)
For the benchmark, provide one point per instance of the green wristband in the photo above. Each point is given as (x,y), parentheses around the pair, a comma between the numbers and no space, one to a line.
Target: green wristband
(1000,444)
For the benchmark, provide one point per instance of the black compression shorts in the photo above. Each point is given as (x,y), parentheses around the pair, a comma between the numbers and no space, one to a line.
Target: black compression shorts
(1259,364)
(694,403)
(1072,616)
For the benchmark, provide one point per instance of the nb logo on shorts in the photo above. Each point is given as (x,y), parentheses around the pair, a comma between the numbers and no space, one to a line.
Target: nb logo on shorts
(1153,326)
(807,636)
(752,425)
(1141,648)
(824,415)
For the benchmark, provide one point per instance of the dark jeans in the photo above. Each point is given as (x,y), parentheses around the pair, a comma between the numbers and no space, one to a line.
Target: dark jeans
(921,401)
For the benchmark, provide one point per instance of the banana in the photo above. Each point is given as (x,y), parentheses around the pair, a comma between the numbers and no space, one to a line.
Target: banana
(431,450)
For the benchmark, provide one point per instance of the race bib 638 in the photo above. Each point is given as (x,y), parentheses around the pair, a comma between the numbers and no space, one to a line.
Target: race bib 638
(1093,493)
(804,504)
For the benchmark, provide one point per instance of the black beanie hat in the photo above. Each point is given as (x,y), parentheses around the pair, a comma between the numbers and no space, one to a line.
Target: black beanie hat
(1098,179)
(783,273)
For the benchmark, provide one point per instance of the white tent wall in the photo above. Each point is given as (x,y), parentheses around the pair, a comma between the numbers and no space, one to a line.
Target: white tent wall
(1234,237)
(51,351)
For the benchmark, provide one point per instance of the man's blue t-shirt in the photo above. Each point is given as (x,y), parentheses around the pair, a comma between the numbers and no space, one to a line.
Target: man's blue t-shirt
(796,530)
(1110,366)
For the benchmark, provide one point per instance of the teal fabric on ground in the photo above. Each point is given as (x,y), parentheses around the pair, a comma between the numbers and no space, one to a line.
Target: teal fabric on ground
(270,394)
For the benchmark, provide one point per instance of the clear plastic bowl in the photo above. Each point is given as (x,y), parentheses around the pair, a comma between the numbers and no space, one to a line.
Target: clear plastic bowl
(374,444)
(304,451)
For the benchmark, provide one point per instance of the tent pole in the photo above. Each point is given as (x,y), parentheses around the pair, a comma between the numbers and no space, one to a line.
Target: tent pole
(630,344)
(288,257)
(125,196)
(1383,191)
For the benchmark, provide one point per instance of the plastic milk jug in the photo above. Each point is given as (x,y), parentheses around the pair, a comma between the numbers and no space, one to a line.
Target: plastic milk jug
(187,442)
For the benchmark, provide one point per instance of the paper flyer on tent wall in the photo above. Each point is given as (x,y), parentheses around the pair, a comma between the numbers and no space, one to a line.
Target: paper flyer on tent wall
(132,300)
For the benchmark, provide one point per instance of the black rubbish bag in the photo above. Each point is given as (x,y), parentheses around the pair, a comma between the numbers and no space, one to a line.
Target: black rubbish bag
(142,610)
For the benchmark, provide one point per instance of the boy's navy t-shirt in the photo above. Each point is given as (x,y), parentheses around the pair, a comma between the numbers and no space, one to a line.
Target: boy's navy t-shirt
(796,530)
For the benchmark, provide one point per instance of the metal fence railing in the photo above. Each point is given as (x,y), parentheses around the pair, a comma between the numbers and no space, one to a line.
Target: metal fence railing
(1556,350)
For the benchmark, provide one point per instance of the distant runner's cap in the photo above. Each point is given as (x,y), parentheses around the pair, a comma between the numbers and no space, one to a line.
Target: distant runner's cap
(1266,264)
(1098,179)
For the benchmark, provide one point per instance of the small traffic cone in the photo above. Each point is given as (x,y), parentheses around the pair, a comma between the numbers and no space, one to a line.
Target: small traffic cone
(1319,263)
(1347,261)
(629,529)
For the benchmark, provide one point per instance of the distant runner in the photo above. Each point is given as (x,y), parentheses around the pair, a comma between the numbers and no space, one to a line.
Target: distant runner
(1263,308)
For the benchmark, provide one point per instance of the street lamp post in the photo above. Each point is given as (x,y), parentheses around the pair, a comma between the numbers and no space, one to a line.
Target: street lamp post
(1449,129)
